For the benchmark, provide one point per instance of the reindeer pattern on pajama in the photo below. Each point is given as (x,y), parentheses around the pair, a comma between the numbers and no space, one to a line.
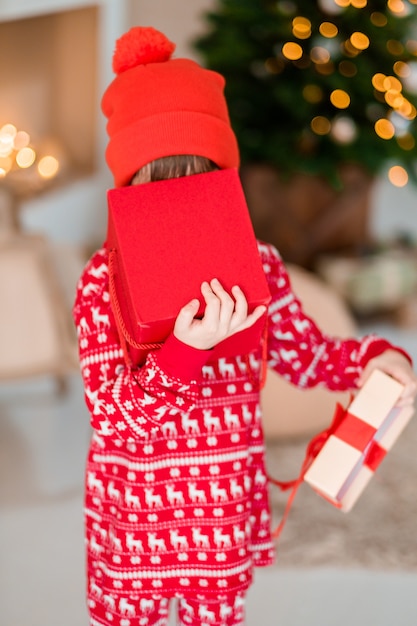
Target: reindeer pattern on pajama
(176,497)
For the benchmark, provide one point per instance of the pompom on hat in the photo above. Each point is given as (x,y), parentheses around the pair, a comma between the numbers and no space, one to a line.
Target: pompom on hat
(158,106)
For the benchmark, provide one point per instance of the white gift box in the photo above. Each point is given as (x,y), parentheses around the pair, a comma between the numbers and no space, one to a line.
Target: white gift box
(359,441)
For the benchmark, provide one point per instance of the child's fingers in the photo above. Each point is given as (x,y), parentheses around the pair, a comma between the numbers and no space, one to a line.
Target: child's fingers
(253,317)
(226,303)
(212,310)
(186,315)
(241,305)
(408,396)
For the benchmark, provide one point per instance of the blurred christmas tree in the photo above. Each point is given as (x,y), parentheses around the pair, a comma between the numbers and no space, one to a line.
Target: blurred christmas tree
(314,85)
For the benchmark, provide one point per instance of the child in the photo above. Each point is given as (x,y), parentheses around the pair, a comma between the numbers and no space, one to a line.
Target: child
(176,491)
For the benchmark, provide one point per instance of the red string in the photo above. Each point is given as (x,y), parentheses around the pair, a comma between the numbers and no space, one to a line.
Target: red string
(312,451)
(125,336)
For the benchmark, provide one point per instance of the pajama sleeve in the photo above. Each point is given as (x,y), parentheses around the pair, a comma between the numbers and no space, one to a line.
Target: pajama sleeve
(124,403)
(298,349)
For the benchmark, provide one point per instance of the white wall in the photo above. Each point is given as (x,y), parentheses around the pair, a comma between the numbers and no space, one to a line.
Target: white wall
(394,210)
(179,20)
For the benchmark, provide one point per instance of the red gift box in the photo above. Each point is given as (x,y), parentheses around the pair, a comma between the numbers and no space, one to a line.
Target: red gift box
(358,441)
(164,239)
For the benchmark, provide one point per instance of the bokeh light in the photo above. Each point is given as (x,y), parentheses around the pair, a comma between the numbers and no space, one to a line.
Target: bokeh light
(312,94)
(406,141)
(320,125)
(344,130)
(330,6)
(292,51)
(319,55)
(379,19)
(402,69)
(396,6)
(25,157)
(21,140)
(384,128)
(359,41)
(301,27)
(327,29)
(395,47)
(340,99)
(398,176)
(378,81)
(394,99)
(347,68)
(349,49)
(5,166)
(48,166)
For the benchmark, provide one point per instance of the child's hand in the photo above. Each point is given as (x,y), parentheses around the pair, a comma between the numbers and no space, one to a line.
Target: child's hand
(223,317)
(396,365)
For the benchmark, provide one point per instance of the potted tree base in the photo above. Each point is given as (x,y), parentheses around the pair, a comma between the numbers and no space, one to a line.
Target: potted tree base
(304,216)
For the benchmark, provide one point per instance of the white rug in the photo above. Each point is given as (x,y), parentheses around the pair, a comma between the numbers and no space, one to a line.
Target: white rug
(380,532)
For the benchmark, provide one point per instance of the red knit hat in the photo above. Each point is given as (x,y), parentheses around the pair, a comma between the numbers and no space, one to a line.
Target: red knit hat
(158,106)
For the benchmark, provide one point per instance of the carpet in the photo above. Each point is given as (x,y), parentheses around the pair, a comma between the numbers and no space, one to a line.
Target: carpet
(380,532)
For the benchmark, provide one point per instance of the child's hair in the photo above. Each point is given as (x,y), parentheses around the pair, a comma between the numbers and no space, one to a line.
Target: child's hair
(173,167)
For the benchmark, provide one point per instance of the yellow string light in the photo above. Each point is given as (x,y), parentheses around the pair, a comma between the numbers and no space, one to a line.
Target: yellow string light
(379,19)
(292,51)
(301,27)
(349,49)
(395,47)
(25,157)
(320,125)
(274,65)
(7,136)
(325,68)
(312,94)
(21,140)
(402,69)
(391,82)
(378,81)
(407,110)
(359,41)
(406,141)
(48,166)
(396,6)
(359,4)
(327,29)
(6,165)
(348,69)
(8,130)
(384,128)
(394,99)
(340,99)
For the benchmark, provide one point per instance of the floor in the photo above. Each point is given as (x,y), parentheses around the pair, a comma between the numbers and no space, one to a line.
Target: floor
(43,441)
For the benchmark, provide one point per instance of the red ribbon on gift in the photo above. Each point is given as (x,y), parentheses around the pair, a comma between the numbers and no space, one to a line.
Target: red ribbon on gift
(350,429)
(312,451)
(374,456)
(355,432)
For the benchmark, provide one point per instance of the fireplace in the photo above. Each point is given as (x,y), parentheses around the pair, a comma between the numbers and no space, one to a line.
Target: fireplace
(55,59)
(48,66)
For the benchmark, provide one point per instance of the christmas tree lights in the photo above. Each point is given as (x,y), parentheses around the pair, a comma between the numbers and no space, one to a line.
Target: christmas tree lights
(315,85)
